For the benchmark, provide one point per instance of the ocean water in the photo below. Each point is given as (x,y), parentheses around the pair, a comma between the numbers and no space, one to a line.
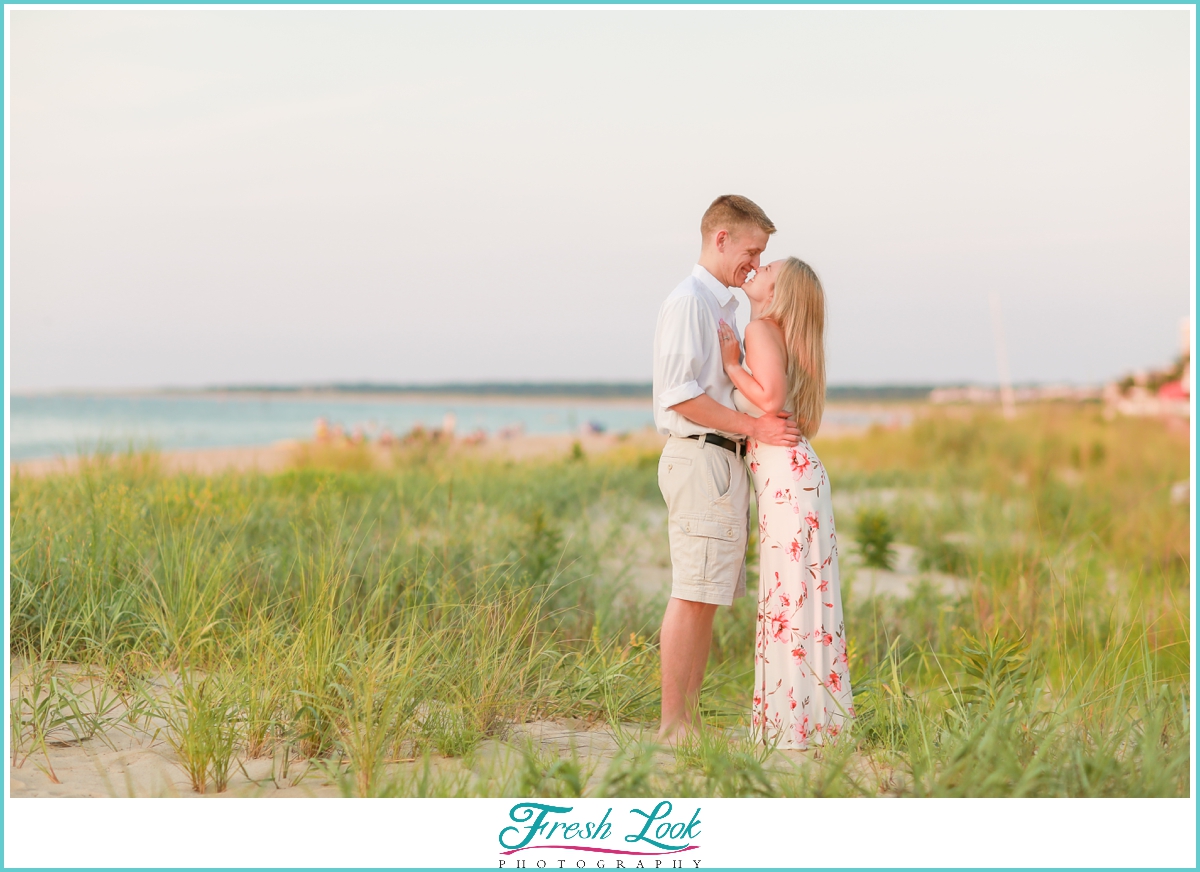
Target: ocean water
(53,426)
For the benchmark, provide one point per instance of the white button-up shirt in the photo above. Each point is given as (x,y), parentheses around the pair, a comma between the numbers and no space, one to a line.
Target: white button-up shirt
(687,351)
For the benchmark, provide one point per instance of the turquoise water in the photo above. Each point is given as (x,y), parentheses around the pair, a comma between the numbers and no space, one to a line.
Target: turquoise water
(52,426)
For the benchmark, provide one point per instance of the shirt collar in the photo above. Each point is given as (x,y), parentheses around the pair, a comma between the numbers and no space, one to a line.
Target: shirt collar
(722,293)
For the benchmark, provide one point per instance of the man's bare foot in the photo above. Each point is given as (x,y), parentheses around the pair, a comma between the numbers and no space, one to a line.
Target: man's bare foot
(675,734)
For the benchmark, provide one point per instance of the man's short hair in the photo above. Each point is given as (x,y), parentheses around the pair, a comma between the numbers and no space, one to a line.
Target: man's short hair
(733,212)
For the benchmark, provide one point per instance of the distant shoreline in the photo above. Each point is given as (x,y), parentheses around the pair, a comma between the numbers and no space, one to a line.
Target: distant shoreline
(216,395)
(284,454)
(617,392)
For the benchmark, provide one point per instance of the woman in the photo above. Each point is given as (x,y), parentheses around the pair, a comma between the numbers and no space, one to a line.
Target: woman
(801,672)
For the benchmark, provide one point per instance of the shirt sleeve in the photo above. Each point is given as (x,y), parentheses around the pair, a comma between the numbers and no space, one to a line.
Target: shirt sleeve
(682,352)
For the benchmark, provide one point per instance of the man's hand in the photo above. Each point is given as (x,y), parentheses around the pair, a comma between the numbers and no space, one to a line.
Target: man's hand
(777,429)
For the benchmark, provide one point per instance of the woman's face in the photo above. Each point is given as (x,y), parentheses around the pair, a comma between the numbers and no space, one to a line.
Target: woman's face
(760,287)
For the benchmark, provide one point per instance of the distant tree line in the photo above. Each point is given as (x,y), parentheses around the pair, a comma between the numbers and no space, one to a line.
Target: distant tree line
(600,390)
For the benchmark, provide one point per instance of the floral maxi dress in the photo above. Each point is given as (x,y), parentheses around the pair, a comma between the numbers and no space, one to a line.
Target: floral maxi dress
(802,690)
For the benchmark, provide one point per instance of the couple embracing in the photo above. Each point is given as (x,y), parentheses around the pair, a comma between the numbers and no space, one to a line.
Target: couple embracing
(725,412)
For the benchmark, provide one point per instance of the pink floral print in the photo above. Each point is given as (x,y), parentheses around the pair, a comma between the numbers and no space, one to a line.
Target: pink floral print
(800,462)
(780,625)
(802,693)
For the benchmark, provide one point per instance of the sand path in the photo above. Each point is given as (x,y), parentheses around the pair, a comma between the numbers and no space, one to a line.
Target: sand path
(138,763)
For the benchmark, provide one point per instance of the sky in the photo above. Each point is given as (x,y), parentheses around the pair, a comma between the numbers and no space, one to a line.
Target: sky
(216,197)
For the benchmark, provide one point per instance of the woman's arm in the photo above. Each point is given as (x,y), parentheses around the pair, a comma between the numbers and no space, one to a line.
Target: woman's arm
(767,387)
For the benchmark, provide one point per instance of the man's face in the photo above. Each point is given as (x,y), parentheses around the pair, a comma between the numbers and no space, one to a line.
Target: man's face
(740,250)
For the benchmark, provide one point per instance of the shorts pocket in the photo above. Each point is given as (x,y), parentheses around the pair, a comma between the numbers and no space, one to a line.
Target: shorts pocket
(707,526)
(708,548)
(673,474)
(720,473)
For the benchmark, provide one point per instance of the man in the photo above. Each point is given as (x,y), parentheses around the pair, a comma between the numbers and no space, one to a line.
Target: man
(701,472)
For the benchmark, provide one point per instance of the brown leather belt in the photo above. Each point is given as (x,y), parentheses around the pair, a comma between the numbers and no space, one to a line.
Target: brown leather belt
(738,448)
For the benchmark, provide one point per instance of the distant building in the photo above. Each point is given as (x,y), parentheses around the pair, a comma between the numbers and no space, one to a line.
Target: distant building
(1164,392)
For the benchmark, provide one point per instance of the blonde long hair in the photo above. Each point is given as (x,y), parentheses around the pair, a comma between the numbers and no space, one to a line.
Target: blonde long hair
(798,307)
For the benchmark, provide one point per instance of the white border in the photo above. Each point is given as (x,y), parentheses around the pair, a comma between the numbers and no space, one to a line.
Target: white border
(463,833)
(1192,476)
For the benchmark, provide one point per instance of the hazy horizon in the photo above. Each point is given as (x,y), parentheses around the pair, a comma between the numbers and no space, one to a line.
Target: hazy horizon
(212,197)
(384,388)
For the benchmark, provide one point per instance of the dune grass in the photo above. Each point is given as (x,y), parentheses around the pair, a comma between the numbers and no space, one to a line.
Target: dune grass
(353,616)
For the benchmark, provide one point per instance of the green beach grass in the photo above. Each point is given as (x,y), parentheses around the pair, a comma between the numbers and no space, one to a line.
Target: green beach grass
(374,622)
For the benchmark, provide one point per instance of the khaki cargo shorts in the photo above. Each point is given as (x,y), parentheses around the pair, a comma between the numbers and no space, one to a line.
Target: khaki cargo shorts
(707,489)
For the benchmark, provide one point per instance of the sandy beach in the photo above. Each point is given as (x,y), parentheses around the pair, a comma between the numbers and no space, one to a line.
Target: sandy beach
(522,446)
(135,759)
(130,754)
(137,661)
(285,454)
